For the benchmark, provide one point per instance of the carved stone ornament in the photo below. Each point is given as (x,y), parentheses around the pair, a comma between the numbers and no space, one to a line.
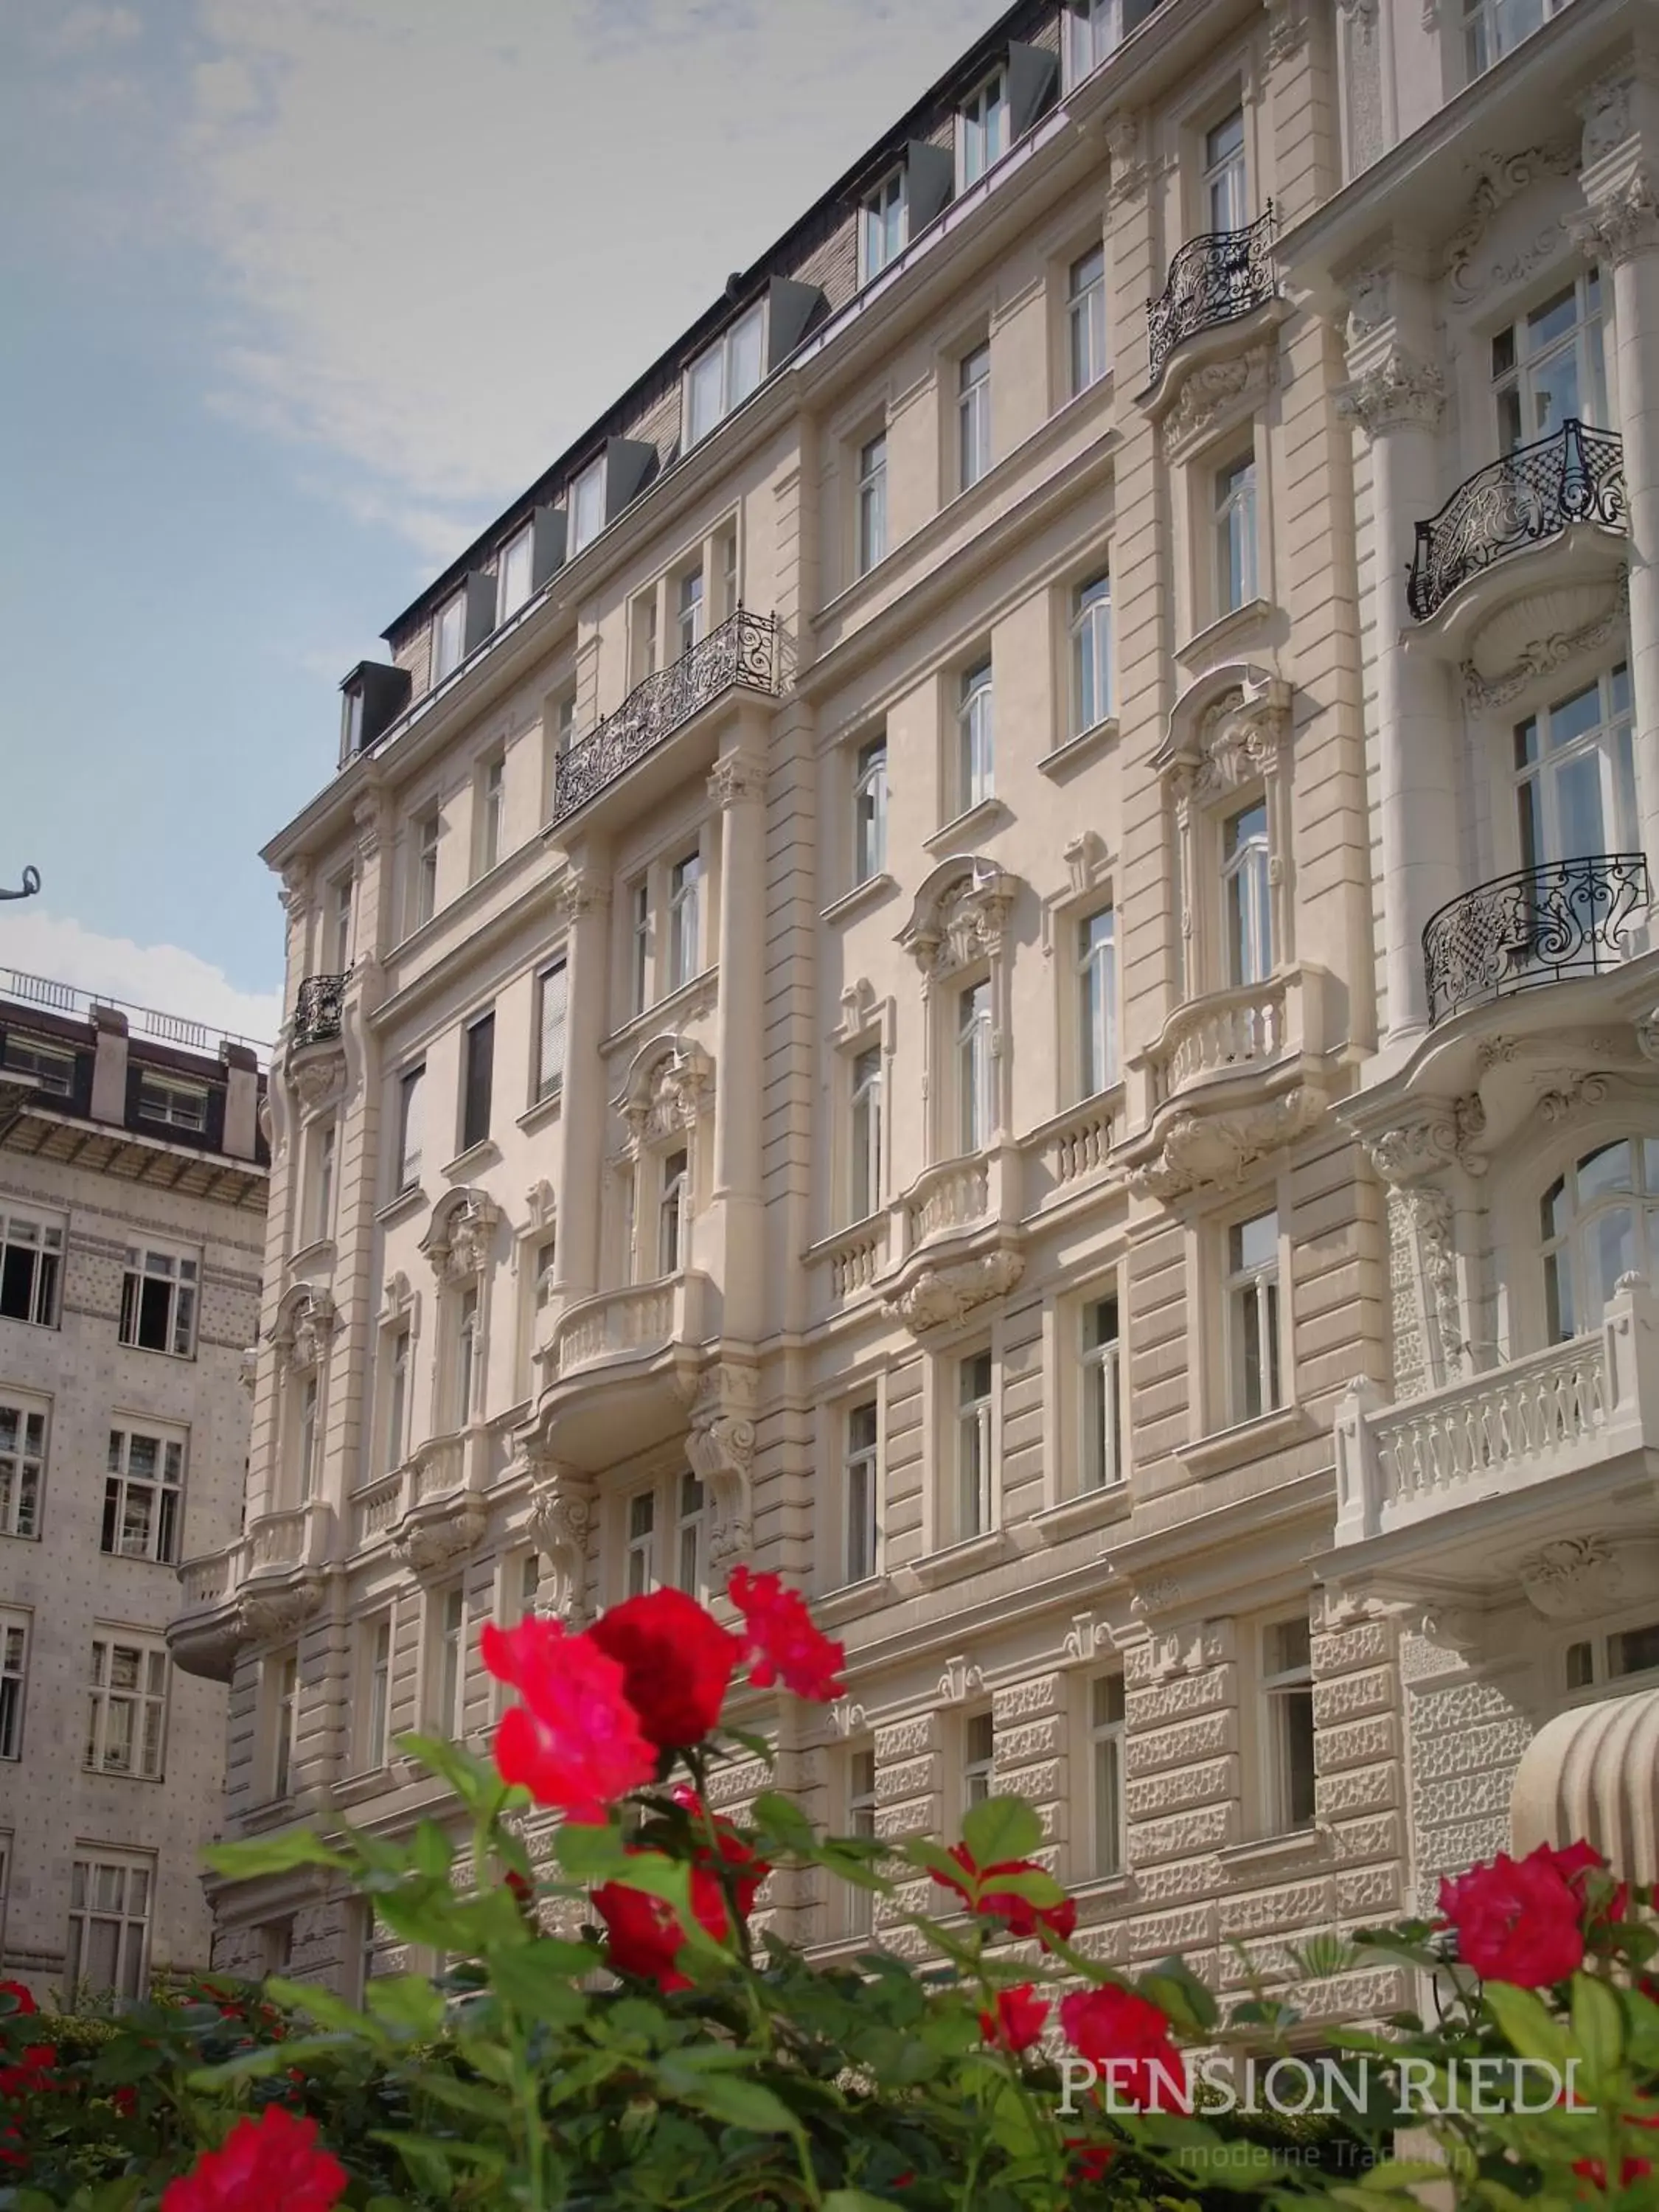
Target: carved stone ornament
(1370,302)
(318,1075)
(720,1449)
(1623,222)
(1453,1627)
(847,1719)
(440,1530)
(1399,391)
(1500,178)
(1125,137)
(272,1616)
(858,1010)
(368,818)
(1240,737)
(1087,1637)
(959,916)
(1086,860)
(1585,1577)
(1417,1145)
(293,891)
(1565,1100)
(584,890)
(463,1229)
(1647,1035)
(1531,638)
(1223,1148)
(1605,108)
(736,778)
(663,1098)
(1428,1336)
(562,1519)
(961,1681)
(1218,389)
(1287,30)
(1155,1594)
(305,1322)
(940,1295)
(247,1367)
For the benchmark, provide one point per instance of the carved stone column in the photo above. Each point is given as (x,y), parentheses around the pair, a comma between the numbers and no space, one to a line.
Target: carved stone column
(582,1114)
(1427,1319)
(738,787)
(720,1449)
(562,1517)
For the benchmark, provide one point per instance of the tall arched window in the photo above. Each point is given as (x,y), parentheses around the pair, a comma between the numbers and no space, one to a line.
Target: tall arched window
(1598,1221)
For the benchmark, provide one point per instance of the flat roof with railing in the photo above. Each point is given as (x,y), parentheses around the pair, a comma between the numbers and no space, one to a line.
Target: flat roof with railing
(16,984)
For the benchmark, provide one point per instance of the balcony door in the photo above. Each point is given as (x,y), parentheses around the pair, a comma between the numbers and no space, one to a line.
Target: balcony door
(1576,776)
(1550,366)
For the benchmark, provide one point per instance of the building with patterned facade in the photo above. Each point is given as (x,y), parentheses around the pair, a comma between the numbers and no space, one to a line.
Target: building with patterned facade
(997,952)
(132,1205)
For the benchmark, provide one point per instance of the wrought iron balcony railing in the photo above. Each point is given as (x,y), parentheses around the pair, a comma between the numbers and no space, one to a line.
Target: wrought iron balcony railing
(1212,280)
(317,1008)
(743,650)
(1535,926)
(1575,474)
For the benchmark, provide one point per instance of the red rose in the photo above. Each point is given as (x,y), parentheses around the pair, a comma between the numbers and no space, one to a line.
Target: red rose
(676,1662)
(1127,2037)
(576,1741)
(1603,1901)
(1090,2160)
(22,2000)
(747,1868)
(272,2161)
(1517,1920)
(125,2100)
(645,1935)
(1025,1920)
(1019,2021)
(780,1643)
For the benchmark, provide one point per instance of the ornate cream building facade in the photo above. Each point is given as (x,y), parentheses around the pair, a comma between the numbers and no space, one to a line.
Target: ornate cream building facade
(996,951)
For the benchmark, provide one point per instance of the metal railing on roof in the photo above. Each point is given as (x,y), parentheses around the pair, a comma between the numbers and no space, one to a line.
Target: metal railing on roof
(15,983)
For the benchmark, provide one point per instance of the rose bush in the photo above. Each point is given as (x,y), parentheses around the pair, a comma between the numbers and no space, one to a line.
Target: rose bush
(619,2029)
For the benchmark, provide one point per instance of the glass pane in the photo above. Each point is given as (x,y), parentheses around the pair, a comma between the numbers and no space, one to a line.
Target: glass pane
(1607,1169)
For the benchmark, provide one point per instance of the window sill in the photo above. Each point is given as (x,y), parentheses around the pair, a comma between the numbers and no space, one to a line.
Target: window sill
(483,1154)
(366,1782)
(850,1600)
(1089,1509)
(1078,750)
(1203,650)
(1298,1843)
(954,1560)
(1102,1891)
(407,1203)
(870,892)
(1246,1440)
(989,814)
(665,1013)
(543,1111)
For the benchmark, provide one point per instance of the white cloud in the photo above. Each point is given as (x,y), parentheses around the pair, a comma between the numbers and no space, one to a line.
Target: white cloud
(164,978)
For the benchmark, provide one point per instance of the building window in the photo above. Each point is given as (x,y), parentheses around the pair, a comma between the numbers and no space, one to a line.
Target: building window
(158,1302)
(324,1143)
(978,1759)
(645,636)
(449,1665)
(726,571)
(1092,32)
(685,920)
(1551,366)
(587,506)
(340,925)
(1106,1776)
(1576,780)
(882,226)
(397,1399)
(1225,199)
(376,1712)
(492,801)
(691,618)
(127,1708)
(981,131)
(466,1357)
(1085,320)
(1598,1221)
(448,637)
(53,1071)
(1235,535)
(423,880)
(671,1214)
(1103,1403)
(553,1004)
(870,811)
(640,1563)
(1492,28)
(1247,895)
(284,1677)
(973,1446)
(14,1680)
(639,948)
(973,416)
(1613,1658)
(479,1081)
(974,1066)
(22,1469)
(513,570)
(1252,1293)
(1096,975)
(305,1437)
(108,1925)
(870,504)
(1091,654)
(31,1266)
(724,377)
(143,1491)
(859,1905)
(690,1532)
(408,1127)
(861,1491)
(976,748)
(172,1105)
(1287,1693)
(864,1179)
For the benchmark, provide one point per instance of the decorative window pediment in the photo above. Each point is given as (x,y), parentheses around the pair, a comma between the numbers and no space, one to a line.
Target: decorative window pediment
(306,1319)
(959,915)
(667,1090)
(1230,730)
(459,1241)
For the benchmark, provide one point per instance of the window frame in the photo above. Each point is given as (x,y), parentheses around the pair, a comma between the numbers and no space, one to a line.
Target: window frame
(518,549)
(870,810)
(448,637)
(1106,1739)
(552,989)
(586,527)
(866,1078)
(861,1798)
(148,1704)
(478,1079)
(972,1063)
(167,1503)
(447,1656)
(860,1468)
(639,1551)
(1515,382)
(1101,1434)
(875,214)
(1098,1005)
(1279,1686)
(410,1082)
(1082,21)
(1090,635)
(686,878)
(1541,837)
(1226,174)
(982,126)
(182,1103)
(491,802)
(979,1765)
(690,1525)
(377,1660)
(870,504)
(1248,953)
(131,1961)
(426,829)
(1235,532)
(724,354)
(974,449)
(975,761)
(183,1273)
(48,1247)
(1638,1198)
(281,1683)
(973,1459)
(16,1640)
(1258,1288)
(29,1409)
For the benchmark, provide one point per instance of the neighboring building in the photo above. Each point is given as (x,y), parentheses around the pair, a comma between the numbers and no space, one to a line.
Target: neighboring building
(132,1200)
(858,1000)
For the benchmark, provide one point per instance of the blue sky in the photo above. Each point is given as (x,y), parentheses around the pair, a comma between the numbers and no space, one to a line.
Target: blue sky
(300,293)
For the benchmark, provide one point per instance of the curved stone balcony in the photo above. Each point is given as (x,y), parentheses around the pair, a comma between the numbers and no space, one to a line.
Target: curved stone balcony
(427,1509)
(257,1590)
(1571,918)
(954,1238)
(1224,1034)
(621,1368)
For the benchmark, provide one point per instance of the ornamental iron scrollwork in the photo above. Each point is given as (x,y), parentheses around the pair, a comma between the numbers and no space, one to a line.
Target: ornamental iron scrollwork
(1212,280)
(31,885)
(1575,474)
(318,1008)
(1535,926)
(741,651)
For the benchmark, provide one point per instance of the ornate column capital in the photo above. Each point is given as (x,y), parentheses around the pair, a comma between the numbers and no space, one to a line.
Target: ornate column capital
(736,780)
(1399,391)
(1622,222)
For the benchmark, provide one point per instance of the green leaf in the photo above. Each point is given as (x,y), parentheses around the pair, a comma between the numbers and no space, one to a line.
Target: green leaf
(432,1852)
(1001,1828)
(262,1855)
(757,1747)
(408,2001)
(857,2200)
(322,2006)
(535,1979)
(267,2058)
(932,1858)
(1527,2028)
(743,2105)
(586,1851)
(474,1780)
(1189,2003)
(781,1820)
(1598,2027)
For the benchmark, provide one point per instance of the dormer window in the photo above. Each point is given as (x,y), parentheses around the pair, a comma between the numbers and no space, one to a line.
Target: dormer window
(53,1071)
(512,574)
(1092,30)
(174,1105)
(982,129)
(587,506)
(724,377)
(449,636)
(884,227)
